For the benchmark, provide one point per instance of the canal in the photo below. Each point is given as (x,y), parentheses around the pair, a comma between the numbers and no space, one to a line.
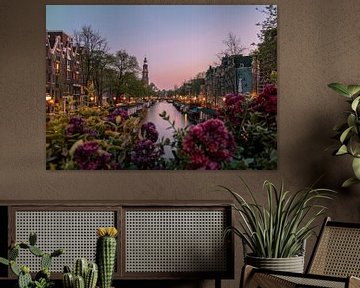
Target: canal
(152,115)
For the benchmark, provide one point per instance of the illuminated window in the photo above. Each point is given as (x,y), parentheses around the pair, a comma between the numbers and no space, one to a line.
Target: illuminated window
(57,67)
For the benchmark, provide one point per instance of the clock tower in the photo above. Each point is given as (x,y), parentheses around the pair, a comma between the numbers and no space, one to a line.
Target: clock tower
(145,73)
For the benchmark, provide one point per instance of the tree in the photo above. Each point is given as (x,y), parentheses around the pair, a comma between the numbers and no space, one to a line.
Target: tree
(91,45)
(266,53)
(124,63)
(233,47)
(101,62)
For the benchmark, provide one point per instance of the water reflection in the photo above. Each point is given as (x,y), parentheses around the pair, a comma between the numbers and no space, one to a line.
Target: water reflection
(162,125)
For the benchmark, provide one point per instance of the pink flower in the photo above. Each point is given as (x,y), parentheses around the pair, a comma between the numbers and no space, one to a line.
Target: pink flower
(267,100)
(208,145)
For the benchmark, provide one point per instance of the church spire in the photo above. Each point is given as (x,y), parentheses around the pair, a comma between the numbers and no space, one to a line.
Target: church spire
(145,73)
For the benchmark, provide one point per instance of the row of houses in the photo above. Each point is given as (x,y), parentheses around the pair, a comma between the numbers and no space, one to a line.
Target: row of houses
(236,74)
(63,69)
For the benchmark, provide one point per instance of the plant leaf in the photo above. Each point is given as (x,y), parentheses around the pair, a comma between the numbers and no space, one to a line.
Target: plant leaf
(349,182)
(353,89)
(356,167)
(344,134)
(342,150)
(355,103)
(340,88)
(351,120)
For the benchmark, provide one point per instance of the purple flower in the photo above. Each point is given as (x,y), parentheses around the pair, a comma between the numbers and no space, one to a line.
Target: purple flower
(208,145)
(89,156)
(148,130)
(76,126)
(118,116)
(145,154)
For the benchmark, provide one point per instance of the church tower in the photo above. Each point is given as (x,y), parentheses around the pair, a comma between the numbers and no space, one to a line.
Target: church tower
(145,73)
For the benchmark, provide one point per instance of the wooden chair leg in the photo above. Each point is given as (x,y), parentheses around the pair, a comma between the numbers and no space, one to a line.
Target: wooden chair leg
(246,273)
(354,282)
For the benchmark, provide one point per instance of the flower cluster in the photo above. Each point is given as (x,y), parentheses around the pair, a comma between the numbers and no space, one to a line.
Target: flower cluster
(89,156)
(267,100)
(233,108)
(208,145)
(76,126)
(118,116)
(145,154)
(148,130)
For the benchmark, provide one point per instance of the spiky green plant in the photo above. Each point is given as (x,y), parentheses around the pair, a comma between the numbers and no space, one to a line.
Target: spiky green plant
(106,254)
(42,278)
(85,274)
(279,229)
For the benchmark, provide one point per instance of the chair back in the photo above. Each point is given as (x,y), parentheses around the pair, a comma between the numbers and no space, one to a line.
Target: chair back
(337,251)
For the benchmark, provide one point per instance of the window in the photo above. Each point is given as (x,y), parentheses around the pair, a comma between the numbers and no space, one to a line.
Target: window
(57,67)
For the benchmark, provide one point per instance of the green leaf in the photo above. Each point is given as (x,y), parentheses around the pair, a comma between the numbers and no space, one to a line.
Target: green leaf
(351,120)
(4,261)
(345,134)
(340,88)
(353,89)
(355,103)
(75,146)
(354,145)
(356,167)
(342,150)
(349,182)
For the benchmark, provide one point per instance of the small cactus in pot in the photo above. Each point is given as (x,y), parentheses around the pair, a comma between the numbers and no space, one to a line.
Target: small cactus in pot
(106,254)
(85,275)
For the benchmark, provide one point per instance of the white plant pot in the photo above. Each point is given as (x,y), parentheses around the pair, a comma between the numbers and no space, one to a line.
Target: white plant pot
(291,264)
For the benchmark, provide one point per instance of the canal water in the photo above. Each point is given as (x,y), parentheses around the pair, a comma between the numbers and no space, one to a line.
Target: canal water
(152,115)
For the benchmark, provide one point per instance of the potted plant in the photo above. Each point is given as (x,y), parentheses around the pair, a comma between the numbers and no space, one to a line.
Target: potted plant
(349,132)
(276,233)
(42,278)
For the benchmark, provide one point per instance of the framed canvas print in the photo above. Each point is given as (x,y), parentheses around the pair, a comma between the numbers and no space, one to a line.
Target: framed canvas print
(161,87)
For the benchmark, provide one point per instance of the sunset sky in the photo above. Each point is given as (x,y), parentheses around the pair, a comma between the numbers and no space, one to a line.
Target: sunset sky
(179,41)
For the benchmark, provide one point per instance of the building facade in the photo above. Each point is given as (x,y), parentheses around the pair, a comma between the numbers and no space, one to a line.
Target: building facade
(234,75)
(62,67)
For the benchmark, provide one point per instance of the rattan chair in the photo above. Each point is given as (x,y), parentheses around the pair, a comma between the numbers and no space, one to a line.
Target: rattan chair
(334,263)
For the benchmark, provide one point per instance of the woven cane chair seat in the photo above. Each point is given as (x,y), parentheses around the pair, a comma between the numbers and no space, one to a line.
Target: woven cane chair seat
(335,262)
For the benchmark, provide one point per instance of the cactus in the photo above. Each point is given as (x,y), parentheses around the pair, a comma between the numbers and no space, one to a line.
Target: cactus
(44,273)
(36,251)
(4,261)
(24,278)
(79,282)
(68,280)
(45,261)
(14,268)
(88,273)
(32,238)
(105,255)
(80,268)
(91,276)
(13,253)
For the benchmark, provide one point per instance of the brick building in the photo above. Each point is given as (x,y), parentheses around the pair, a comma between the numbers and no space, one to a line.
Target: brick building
(62,67)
